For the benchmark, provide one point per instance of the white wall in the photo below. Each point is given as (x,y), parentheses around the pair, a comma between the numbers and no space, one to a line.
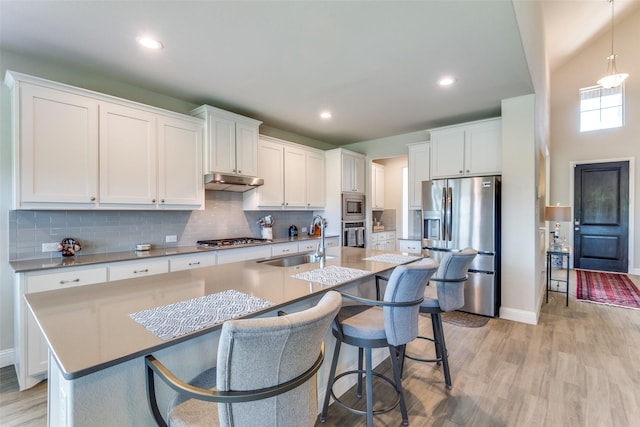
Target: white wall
(569,145)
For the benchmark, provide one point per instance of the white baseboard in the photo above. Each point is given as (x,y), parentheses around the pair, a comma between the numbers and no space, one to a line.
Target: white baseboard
(6,357)
(517,315)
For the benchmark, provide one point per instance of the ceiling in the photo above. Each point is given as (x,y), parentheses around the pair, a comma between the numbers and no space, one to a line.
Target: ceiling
(373,64)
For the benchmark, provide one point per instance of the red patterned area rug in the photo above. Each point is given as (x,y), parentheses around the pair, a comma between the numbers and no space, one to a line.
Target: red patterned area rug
(607,288)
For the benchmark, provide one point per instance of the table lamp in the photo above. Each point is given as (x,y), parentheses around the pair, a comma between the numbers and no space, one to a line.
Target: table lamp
(558,214)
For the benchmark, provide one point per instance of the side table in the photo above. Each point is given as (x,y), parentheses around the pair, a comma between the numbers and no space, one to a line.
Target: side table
(562,253)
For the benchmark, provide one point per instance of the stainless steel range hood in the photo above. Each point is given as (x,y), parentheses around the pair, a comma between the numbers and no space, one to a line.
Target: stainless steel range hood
(226,182)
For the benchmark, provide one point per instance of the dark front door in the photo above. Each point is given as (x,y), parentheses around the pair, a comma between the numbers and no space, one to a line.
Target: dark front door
(601,216)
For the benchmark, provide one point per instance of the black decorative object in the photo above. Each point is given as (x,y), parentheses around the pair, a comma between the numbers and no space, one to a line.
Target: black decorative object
(69,247)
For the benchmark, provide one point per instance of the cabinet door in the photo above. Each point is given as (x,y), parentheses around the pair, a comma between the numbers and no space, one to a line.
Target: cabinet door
(347,173)
(315,180)
(295,177)
(352,173)
(358,174)
(271,169)
(127,155)
(221,150)
(419,168)
(377,190)
(58,147)
(246,149)
(483,150)
(180,163)
(36,357)
(447,153)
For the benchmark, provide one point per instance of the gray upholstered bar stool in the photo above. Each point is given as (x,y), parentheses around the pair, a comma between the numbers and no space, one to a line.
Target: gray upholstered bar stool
(449,280)
(391,323)
(265,373)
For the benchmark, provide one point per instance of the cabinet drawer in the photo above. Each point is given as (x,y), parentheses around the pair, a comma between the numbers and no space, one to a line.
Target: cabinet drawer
(410,246)
(242,254)
(128,270)
(187,262)
(331,242)
(284,249)
(310,245)
(67,279)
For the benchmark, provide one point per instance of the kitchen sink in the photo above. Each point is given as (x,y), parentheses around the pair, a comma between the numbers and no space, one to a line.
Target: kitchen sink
(293,260)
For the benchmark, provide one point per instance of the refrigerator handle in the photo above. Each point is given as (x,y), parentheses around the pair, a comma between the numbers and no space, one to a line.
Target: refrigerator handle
(443,215)
(449,213)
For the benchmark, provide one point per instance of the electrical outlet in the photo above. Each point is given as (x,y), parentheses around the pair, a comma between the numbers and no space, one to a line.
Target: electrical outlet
(49,247)
(304,229)
(171,238)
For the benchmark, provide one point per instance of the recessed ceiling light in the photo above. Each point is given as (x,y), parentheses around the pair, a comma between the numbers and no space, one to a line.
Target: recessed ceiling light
(446,81)
(325,115)
(149,42)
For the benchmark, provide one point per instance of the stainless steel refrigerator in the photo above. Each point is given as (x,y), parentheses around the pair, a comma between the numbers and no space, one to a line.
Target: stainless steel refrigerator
(465,212)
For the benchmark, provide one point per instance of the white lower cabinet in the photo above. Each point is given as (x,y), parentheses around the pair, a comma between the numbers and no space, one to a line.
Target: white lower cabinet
(383,241)
(226,256)
(31,352)
(331,242)
(284,248)
(191,261)
(410,246)
(138,268)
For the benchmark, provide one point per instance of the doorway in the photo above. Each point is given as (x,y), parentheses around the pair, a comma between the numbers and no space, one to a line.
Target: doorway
(601,216)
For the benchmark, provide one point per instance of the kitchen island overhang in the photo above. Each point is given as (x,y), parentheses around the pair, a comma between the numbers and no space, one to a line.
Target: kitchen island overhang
(94,342)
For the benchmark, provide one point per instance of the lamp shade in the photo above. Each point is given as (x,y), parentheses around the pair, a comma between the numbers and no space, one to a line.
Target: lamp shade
(557,213)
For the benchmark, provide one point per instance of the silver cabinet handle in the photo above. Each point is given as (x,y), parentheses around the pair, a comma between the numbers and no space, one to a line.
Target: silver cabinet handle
(194,263)
(146,270)
(76,280)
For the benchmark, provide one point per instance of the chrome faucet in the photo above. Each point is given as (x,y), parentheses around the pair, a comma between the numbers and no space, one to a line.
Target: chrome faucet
(322,222)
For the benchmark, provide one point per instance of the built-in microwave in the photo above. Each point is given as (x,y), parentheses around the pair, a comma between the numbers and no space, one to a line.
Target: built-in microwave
(352,207)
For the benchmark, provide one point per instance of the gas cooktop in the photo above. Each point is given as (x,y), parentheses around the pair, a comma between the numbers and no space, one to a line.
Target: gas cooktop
(235,241)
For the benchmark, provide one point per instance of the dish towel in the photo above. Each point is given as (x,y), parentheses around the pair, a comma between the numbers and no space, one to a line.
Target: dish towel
(393,258)
(331,275)
(174,320)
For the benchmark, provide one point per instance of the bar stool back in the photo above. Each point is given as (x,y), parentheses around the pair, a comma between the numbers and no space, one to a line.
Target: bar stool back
(391,323)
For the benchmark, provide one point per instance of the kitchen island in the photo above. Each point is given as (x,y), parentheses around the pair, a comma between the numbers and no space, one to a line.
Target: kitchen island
(96,350)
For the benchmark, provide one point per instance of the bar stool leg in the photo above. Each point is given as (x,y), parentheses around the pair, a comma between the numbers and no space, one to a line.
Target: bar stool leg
(440,342)
(397,355)
(369,386)
(332,375)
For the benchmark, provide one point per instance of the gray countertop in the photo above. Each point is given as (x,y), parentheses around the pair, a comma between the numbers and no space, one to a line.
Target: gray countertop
(58,261)
(88,328)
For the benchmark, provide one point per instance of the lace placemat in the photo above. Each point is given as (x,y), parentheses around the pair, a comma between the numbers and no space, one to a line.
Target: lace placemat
(331,275)
(183,317)
(393,258)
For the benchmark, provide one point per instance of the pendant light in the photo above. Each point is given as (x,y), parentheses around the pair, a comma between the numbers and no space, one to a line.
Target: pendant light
(613,78)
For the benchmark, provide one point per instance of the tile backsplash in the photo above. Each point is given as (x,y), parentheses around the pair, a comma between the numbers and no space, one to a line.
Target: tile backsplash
(118,231)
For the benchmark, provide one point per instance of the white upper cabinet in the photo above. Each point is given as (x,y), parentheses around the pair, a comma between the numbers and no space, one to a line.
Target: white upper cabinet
(57,153)
(293,177)
(377,187)
(271,169)
(231,141)
(315,178)
(78,149)
(180,172)
(419,168)
(127,156)
(467,150)
(352,172)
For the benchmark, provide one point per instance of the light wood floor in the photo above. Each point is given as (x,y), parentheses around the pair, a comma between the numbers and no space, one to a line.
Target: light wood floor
(578,367)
